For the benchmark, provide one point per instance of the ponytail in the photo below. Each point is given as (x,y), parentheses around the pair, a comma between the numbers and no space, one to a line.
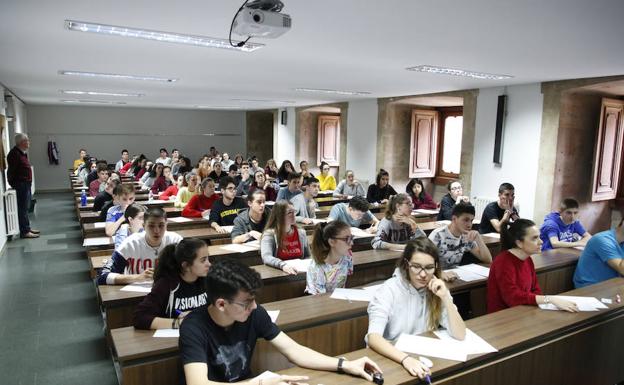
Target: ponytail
(323,232)
(172,257)
(516,231)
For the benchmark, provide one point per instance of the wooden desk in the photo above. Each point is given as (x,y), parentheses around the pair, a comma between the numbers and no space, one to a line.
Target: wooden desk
(89,229)
(92,216)
(140,198)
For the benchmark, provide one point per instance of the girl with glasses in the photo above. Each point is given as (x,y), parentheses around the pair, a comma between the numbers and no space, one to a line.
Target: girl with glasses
(415,300)
(331,253)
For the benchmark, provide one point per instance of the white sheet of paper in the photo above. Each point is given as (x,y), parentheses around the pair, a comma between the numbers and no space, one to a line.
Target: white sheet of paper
(155,202)
(299,264)
(269,203)
(466,275)
(443,222)
(472,344)
(316,220)
(180,219)
(373,288)
(359,233)
(580,247)
(237,248)
(97,241)
(273,314)
(99,225)
(476,269)
(167,333)
(353,294)
(431,347)
(228,228)
(425,211)
(583,303)
(325,192)
(267,375)
(139,287)
(493,235)
(254,244)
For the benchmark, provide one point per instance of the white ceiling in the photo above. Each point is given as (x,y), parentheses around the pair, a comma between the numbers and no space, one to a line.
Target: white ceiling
(357,45)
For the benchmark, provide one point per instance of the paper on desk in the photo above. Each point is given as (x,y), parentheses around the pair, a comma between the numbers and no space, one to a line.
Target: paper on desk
(353,294)
(154,202)
(465,275)
(139,287)
(425,211)
(180,219)
(267,375)
(359,233)
(583,303)
(237,248)
(317,220)
(299,264)
(476,269)
(472,344)
(269,203)
(431,347)
(228,228)
(492,235)
(325,192)
(99,225)
(167,333)
(273,314)
(443,222)
(255,244)
(97,241)
(580,247)
(373,288)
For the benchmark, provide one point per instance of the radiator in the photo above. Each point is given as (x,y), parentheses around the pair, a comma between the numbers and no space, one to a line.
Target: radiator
(10,208)
(479,203)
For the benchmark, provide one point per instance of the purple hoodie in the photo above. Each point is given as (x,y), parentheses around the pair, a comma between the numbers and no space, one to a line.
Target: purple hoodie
(553,226)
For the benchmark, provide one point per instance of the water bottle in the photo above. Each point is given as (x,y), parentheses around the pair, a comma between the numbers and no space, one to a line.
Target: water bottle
(83,198)
(150,196)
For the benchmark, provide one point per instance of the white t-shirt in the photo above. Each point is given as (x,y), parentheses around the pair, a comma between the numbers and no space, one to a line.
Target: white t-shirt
(141,256)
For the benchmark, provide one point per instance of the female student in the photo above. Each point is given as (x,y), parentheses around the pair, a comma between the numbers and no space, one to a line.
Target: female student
(415,300)
(145,167)
(185,193)
(327,182)
(305,172)
(171,192)
(397,227)
(201,203)
(261,183)
(203,169)
(349,187)
(155,173)
(182,167)
(238,161)
(179,286)
(455,196)
(285,169)
(420,198)
(282,239)
(381,191)
(271,169)
(331,253)
(217,172)
(134,215)
(512,280)
(162,181)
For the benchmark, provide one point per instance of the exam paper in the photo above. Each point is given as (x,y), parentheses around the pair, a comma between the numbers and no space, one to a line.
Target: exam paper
(465,275)
(99,225)
(316,220)
(228,228)
(359,233)
(472,344)
(431,347)
(583,303)
(273,314)
(267,375)
(475,269)
(353,294)
(139,287)
(238,248)
(96,241)
(180,219)
(167,333)
(493,235)
(299,264)
(425,211)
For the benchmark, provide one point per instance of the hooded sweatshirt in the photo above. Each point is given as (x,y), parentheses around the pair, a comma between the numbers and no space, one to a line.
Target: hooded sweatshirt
(553,226)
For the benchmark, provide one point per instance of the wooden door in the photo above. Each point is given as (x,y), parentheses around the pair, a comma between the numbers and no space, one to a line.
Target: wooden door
(608,152)
(423,144)
(329,140)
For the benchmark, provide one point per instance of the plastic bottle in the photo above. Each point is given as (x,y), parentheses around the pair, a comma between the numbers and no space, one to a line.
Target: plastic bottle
(150,196)
(83,197)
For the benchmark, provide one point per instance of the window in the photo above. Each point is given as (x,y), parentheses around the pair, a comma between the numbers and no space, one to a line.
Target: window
(449,150)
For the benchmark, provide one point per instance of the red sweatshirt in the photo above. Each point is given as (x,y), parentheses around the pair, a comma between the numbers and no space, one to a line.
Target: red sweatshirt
(171,191)
(426,203)
(198,204)
(512,282)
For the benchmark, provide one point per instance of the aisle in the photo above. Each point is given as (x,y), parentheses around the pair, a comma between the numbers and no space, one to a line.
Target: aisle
(50,327)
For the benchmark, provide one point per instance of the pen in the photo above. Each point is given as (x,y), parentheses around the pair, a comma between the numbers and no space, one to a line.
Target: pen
(428,379)
(178,312)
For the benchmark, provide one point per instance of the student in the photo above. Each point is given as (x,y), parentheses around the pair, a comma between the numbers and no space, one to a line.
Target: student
(262,183)
(454,196)
(203,168)
(93,174)
(415,300)
(217,172)
(502,210)
(331,258)
(270,169)
(182,167)
(327,182)
(125,159)
(172,191)
(225,210)
(602,259)
(106,195)
(226,162)
(145,167)
(135,217)
(250,222)
(81,155)
(163,158)
(85,169)
(291,189)
(458,238)
(238,160)
(179,286)
(123,196)
(255,167)
(512,280)
(282,239)
(162,181)
(381,191)
(397,227)
(304,204)
(355,214)
(99,184)
(200,204)
(232,174)
(562,228)
(217,343)
(305,172)
(126,168)
(285,169)
(187,192)
(349,187)
(245,180)
(420,198)
(134,259)
(155,173)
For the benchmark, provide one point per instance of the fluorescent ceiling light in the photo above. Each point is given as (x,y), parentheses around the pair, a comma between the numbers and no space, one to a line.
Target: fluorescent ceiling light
(93,101)
(335,92)
(457,72)
(167,37)
(117,76)
(98,93)
(220,107)
(263,101)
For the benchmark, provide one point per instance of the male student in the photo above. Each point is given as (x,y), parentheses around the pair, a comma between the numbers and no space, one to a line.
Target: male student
(225,210)
(125,158)
(245,180)
(355,214)
(502,210)
(458,238)
(249,224)
(164,158)
(294,181)
(106,195)
(454,196)
(123,196)
(562,228)
(134,260)
(102,176)
(232,174)
(304,203)
(602,259)
(217,342)
(93,174)
(80,159)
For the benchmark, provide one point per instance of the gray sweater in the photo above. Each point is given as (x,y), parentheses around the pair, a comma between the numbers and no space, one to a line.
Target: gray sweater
(389,231)
(344,189)
(303,209)
(268,249)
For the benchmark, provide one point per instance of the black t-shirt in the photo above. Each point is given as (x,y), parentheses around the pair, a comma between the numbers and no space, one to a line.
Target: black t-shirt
(102,216)
(491,211)
(446,208)
(100,199)
(225,215)
(376,194)
(227,352)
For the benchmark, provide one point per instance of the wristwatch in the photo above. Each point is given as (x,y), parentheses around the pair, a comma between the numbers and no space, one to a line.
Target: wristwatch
(340,361)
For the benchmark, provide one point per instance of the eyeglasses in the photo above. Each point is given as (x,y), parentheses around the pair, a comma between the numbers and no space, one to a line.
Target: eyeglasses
(245,305)
(417,269)
(456,188)
(348,239)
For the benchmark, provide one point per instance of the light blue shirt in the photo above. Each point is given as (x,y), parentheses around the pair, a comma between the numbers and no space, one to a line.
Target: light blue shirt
(285,194)
(592,267)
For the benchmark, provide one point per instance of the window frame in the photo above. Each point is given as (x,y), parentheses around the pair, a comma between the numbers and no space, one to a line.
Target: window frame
(442,177)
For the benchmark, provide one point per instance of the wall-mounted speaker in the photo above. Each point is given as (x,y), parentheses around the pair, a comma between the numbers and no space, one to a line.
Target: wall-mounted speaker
(284,117)
(498,134)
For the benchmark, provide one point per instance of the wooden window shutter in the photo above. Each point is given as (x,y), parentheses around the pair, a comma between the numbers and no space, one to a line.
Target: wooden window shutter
(423,144)
(608,153)
(329,140)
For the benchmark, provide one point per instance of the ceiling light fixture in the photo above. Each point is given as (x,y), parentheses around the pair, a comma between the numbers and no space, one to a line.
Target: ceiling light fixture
(457,72)
(92,101)
(219,107)
(263,101)
(335,92)
(167,37)
(117,76)
(98,93)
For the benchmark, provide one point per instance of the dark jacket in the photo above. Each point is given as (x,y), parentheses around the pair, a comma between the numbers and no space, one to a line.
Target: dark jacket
(18,167)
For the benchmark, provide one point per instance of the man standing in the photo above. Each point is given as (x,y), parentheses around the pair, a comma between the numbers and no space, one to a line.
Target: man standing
(19,175)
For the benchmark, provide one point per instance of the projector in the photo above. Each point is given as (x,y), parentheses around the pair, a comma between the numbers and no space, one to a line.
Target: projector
(261,23)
